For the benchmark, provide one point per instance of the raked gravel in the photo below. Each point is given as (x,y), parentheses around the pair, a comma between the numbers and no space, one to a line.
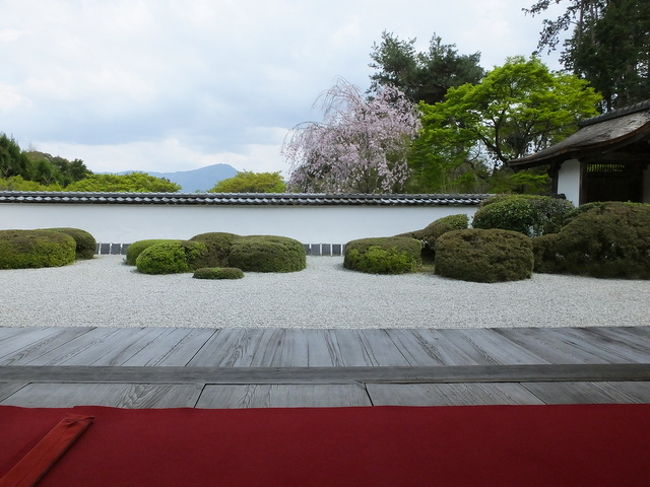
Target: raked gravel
(105,292)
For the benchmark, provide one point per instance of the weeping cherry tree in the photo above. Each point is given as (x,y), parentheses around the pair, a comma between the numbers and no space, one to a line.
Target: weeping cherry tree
(360,147)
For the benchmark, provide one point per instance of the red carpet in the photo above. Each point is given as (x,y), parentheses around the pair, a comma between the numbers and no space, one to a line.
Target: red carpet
(385,446)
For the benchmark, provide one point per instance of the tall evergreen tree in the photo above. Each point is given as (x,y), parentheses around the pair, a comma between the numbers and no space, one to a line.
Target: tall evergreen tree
(609,45)
(422,76)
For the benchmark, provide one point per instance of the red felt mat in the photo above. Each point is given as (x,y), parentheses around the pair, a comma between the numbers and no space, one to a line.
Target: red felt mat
(487,445)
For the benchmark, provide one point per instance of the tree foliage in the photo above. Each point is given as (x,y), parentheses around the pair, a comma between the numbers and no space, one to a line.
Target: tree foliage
(517,109)
(12,160)
(422,76)
(251,182)
(361,146)
(609,45)
(135,182)
(48,169)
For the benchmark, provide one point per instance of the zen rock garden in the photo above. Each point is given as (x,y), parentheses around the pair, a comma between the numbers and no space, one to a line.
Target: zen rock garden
(511,237)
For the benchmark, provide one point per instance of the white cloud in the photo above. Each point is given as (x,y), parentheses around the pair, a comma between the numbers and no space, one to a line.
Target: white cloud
(144,84)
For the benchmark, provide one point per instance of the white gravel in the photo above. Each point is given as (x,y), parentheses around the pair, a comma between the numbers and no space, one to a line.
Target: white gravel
(105,292)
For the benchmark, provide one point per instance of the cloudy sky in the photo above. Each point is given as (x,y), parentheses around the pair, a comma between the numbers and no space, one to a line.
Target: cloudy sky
(171,85)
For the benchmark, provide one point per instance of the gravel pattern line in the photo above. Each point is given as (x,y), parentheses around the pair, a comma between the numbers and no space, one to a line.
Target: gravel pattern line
(105,292)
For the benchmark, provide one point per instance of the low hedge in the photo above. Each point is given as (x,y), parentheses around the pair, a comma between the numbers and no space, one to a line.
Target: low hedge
(21,249)
(170,257)
(484,255)
(605,239)
(267,253)
(384,255)
(429,234)
(218,244)
(136,248)
(218,273)
(528,214)
(85,242)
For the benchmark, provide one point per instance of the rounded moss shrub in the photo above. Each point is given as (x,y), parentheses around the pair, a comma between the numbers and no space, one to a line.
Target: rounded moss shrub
(136,248)
(85,242)
(527,214)
(218,273)
(218,244)
(170,257)
(267,253)
(608,239)
(481,255)
(21,249)
(386,255)
(429,234)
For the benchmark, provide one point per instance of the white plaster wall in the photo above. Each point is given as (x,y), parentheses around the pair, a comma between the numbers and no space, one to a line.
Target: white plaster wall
(308,224)
(646,185)
(568,181)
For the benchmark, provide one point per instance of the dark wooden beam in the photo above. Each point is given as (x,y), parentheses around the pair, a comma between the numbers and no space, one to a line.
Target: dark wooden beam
(328,375)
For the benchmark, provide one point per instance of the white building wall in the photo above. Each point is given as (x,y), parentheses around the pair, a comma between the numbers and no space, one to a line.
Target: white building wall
(568,180)
(114,223)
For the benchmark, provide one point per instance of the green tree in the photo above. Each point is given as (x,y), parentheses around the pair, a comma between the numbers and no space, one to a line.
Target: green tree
(49,169)
(422,76)
(517,109)
(609,45)
(13,161)
(251,182)
(17,183)
(135,182)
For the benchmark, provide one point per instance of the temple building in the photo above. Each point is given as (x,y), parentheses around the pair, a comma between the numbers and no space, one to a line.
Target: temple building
(605,160)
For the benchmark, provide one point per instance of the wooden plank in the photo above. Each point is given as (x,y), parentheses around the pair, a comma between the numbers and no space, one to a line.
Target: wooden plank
(228,347)
(153,352)
(551,347)
(61,354)
(331,375)
(449,394)
(26,338)
(8,388)
(592,344)
(185,349)
(590,392)
(418,347)
(33,351)
(282,395)
(630,341)
(7,332)
(115,395)
(368,347)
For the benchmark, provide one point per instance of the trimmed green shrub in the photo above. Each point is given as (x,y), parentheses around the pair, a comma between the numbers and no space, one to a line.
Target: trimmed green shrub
(267,253)
(484,255)
(605,239)
(86,243)
(384,255)
(21,249)
(170,257)
(429,234)
(218,244)
(136,248)
(527,214)
(218,273)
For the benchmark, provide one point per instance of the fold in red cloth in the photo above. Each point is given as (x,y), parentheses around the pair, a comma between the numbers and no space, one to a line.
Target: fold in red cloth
(36,463)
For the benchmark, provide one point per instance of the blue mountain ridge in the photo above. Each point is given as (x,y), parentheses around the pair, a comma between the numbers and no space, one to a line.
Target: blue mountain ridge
(201,179)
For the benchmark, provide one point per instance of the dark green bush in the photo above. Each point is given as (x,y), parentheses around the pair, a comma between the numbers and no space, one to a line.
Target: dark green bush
(20,249)
(385,255)
(267,253)
(527,214)
(170,257)
(86,243)
(429,234)
(482,255)
(218,244)
(136,248)
(218,273)
(606,239)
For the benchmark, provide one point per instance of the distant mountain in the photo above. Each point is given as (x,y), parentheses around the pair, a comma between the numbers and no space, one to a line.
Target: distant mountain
(201,179)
